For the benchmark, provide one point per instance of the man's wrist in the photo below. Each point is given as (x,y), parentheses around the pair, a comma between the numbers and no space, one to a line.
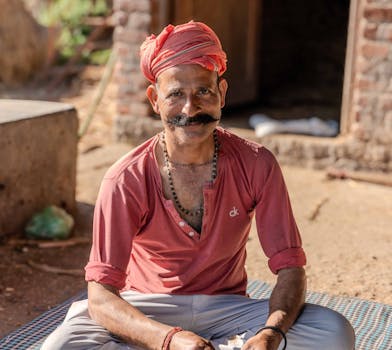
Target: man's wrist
(273,333)
(169,336)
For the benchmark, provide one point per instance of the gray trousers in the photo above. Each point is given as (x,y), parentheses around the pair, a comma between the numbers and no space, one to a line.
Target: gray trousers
(227,320)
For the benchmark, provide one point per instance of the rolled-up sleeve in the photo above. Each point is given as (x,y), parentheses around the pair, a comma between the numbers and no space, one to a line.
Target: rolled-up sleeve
(116,222)
(277,230)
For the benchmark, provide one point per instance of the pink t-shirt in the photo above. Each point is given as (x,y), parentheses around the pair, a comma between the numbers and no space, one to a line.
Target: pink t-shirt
(141,243)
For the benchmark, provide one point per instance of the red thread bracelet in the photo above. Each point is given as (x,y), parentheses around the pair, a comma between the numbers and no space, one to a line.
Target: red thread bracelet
(169,336)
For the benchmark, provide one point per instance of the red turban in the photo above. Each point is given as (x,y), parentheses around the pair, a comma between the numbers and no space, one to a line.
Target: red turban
(189,43)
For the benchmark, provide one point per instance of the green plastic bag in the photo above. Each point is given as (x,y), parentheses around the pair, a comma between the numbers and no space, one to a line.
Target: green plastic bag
(52,223)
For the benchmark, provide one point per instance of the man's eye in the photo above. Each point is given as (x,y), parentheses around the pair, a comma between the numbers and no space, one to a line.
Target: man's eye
(176,93)
(203,91)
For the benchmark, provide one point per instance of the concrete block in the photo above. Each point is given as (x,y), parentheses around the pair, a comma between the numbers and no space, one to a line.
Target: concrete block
(38,151)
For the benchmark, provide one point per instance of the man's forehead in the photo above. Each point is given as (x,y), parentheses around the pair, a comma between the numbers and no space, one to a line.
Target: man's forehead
(179,77)
(185,73)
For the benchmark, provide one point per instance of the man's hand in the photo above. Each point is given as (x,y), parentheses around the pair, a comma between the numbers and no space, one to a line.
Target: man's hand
(266,340)
(286,302)
(186,340)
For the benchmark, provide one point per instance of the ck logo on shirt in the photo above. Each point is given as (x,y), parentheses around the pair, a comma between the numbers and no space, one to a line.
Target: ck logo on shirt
(234,212)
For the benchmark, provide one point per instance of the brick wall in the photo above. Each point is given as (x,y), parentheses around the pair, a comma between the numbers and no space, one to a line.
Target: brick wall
(372,95)
(367,142)
(134,115)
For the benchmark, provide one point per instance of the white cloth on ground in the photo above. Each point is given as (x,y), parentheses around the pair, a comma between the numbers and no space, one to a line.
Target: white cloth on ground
(315,126)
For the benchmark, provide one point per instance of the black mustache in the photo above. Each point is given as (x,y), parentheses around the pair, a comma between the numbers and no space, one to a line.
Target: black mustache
(183,120)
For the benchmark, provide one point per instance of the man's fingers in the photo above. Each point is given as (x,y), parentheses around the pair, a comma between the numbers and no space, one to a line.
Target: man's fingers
(190,341)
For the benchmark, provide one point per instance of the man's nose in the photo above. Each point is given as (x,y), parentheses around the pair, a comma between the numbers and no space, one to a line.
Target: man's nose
(191,106)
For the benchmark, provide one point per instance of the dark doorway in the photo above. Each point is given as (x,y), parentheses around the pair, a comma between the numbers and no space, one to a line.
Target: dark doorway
(302,48)
(303,45)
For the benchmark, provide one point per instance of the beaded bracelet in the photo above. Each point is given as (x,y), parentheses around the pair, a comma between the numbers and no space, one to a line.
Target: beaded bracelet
(169,336)
(275,329)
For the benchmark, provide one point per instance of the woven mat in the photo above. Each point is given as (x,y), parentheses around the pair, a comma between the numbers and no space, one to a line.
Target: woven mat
(372,321)
(31,335)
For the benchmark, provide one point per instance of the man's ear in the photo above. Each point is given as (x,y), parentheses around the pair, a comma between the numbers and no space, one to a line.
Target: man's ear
(222,85)
(152,96)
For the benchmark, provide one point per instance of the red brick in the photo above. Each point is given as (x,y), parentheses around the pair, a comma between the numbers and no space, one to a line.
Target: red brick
(140,109)
(357,113)
(134,97)
(365,83)
(120,18)
(384,32)
(364,100)
(364,66)
(140,5)
(139,21)
(125,91)
(121,79)
(388,121)
(384,70)
(375,49)
(385,103)
(123,108)
(132,6)
(379,2)
(378,14)
(370,31)
(129,35)
(121,5)
(138,79)
(122,49)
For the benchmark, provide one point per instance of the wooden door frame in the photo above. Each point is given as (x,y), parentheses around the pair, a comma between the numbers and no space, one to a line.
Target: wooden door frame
(160,15)
(346,113)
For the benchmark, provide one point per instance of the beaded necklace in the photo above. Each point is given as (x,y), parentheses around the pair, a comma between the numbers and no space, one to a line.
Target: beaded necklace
(191,212)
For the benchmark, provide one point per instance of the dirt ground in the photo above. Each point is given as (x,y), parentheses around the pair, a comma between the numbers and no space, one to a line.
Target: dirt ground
(345,225)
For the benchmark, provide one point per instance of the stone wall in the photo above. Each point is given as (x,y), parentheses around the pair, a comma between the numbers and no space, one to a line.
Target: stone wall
(366,142)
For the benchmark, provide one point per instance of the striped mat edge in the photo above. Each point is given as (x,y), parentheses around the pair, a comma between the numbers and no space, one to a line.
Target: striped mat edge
(372,321)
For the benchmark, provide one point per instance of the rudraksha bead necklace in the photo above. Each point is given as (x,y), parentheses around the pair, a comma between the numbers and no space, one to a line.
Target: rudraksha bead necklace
(190,212)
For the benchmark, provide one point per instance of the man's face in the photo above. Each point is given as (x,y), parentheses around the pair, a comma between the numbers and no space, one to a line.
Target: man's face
(189,99)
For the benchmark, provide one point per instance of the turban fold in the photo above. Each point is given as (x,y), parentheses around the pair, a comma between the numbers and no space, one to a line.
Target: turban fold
(189,43)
